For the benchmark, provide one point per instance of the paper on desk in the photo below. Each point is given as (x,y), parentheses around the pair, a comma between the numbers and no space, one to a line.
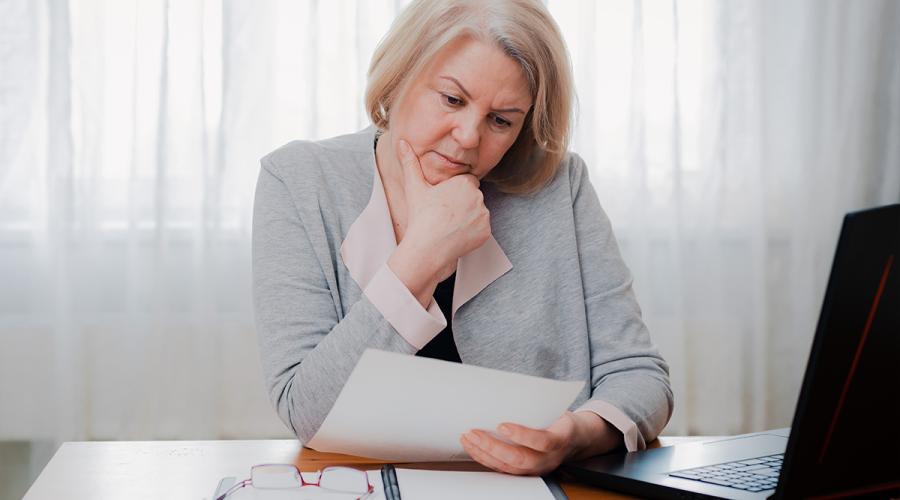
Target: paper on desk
(453,485)
(405,408)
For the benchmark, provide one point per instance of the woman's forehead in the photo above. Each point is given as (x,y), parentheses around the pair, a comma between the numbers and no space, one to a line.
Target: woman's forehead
(481,69)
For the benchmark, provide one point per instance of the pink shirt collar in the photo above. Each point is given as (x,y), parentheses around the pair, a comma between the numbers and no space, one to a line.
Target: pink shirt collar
(371,241)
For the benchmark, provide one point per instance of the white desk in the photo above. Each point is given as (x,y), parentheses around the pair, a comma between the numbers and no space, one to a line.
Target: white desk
(155,470)
(152,470)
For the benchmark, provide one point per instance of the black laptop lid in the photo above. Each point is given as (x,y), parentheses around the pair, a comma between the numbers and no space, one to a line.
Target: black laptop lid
(845,438)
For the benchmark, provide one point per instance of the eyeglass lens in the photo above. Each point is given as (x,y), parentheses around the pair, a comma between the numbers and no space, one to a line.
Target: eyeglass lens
(274,476)
(344,479)
(337,479)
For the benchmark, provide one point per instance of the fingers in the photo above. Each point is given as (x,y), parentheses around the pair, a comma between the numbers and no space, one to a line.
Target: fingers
(536,439)
(531,451)
(513,456)
(413,177)
(473,179)
(485,458)
(470,179)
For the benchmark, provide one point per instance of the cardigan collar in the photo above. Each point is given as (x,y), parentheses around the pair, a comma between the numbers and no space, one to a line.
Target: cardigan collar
(370,241)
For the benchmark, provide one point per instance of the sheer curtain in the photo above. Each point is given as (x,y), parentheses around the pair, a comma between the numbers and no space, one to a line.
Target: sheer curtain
(725,140)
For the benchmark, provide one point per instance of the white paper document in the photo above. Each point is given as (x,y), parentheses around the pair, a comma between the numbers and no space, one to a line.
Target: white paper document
(404,408)
(453,485)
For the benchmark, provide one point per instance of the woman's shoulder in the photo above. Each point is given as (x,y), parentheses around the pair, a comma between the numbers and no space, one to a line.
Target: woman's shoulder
(568,178)
(543,205)
(335,173)
(334,155)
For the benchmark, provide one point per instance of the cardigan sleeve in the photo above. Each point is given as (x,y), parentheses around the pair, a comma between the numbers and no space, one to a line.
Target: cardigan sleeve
(402,309)
(307,351)
(629,378)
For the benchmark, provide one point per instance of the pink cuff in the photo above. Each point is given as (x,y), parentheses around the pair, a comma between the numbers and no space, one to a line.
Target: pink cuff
(634,441)
(402,310)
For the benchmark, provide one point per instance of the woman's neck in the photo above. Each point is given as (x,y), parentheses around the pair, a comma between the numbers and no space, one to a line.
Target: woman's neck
(389,169)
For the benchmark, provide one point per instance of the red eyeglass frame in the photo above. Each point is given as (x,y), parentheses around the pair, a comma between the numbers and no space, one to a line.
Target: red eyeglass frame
(370,488)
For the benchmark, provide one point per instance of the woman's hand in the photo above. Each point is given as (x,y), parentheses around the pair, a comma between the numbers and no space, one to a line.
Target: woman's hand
(540,451)
(450,218)
(444,221)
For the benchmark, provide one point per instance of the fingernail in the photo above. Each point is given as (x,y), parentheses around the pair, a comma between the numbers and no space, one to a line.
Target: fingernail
(505,430)
(404,146)
(471,436)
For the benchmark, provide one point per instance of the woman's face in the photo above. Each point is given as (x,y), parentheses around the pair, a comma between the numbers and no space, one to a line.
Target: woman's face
(463,112)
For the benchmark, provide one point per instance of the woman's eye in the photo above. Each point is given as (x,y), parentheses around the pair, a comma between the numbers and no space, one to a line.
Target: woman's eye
(500,122)
(453,101)
(456,102)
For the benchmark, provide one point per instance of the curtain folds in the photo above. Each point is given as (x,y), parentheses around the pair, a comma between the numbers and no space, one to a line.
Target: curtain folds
(725,140)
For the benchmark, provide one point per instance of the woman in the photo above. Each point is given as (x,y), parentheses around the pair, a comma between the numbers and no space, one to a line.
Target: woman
(457,227)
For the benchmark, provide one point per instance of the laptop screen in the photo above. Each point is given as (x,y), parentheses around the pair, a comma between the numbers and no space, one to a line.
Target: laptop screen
(845,438)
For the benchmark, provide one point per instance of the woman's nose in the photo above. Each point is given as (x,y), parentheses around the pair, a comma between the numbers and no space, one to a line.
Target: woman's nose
(467,132)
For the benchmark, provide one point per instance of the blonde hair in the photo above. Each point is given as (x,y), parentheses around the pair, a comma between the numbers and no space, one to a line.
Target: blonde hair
(526,32)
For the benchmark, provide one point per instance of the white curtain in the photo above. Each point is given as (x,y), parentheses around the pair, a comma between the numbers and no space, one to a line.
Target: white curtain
(725,140)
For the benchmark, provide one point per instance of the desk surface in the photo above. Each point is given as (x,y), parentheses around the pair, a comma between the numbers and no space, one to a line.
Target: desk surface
(152,470)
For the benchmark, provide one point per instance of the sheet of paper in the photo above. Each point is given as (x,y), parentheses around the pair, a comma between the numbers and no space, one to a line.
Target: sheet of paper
(405,408)
(453,485)
(418,484)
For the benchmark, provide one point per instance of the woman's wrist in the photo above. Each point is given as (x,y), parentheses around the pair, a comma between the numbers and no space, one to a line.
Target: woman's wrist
(414,269)
(593,436)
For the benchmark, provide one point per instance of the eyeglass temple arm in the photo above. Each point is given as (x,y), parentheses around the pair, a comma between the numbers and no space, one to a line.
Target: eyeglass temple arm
(234,488)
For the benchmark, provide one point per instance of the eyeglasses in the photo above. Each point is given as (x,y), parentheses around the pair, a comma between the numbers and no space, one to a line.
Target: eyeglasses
(332,480)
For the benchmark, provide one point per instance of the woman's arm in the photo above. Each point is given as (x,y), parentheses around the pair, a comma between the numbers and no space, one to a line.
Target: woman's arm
(629,378)
(307,351)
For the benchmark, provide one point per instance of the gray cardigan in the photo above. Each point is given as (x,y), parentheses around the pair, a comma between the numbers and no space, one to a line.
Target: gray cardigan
(566,309)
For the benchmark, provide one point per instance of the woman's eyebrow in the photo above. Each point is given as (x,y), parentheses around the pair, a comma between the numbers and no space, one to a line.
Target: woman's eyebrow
(466,92)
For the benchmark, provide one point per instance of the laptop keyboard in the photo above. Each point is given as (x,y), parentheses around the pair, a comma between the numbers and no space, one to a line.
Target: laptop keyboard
(755,474)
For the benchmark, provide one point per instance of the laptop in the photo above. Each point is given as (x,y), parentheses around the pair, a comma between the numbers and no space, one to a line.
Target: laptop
(845,436)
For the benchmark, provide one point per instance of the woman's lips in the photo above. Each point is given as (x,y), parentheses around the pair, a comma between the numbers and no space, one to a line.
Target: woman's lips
(450,163)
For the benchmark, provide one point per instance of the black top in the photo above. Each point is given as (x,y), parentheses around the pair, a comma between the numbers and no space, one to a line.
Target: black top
(443,346)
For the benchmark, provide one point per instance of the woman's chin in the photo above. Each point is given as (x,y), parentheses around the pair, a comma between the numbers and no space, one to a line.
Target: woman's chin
(435,176)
